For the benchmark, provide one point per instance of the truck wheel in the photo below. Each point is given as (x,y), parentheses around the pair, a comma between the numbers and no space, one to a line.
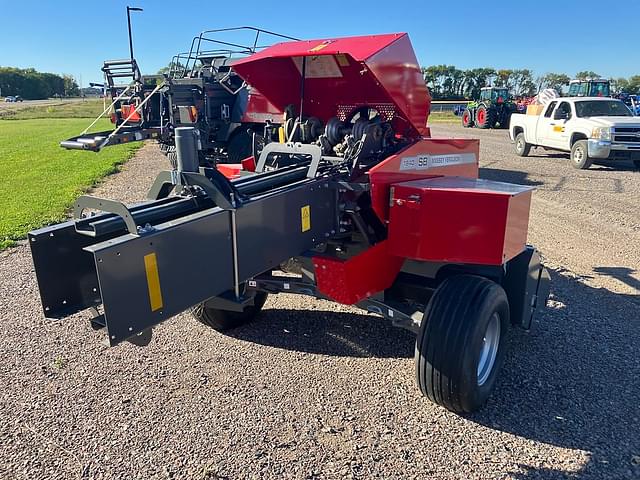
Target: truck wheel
(461,343)
(467,118)
(580,155)
(522,147)
(223,320)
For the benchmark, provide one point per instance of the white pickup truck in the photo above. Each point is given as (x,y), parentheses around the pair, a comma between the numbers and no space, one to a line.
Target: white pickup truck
(590,128)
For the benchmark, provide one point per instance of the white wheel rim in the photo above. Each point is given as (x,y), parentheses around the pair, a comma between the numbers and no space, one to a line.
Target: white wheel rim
(489,349)
(519,145)
(578,155)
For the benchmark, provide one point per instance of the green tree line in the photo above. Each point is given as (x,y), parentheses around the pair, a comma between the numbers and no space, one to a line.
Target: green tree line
(33,85)
(446,82)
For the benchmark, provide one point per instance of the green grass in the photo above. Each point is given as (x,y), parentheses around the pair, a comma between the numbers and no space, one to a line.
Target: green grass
(445,117)
(64,109)
(39,179)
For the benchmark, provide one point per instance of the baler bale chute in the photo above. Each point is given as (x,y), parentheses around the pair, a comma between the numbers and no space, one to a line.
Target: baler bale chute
(356,204)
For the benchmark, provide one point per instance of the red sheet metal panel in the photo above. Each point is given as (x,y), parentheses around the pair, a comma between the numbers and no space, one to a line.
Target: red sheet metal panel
(350,281)
(403,82)
(259,109)
(459,220)
(230,170)
(427,158)
(342,74)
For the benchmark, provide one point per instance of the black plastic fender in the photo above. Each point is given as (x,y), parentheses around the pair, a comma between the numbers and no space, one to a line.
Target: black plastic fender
(527,284)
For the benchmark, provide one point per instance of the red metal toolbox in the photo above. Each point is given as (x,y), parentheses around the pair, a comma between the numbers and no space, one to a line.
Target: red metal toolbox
(457,219)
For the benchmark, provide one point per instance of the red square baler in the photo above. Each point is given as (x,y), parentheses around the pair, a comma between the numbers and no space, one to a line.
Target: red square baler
(349,199)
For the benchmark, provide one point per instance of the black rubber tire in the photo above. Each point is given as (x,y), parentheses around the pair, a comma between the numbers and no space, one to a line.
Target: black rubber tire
(224,320)
(636,163)
(522,147)
(489,117)
(240,146)
(467,118)
(450,341)
(580,155)
(505,119)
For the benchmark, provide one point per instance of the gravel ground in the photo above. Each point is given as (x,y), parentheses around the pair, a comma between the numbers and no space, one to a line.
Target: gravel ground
(317,390)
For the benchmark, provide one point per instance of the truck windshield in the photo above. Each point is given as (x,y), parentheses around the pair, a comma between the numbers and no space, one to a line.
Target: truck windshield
(602,108)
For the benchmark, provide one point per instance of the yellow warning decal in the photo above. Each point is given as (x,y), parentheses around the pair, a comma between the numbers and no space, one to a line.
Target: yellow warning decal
(558,128)
(305,216)
(324,44)
(342,60)
(153,281)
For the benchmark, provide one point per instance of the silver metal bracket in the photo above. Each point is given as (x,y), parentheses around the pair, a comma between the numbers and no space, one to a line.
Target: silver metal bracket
(314,151)
(105,205)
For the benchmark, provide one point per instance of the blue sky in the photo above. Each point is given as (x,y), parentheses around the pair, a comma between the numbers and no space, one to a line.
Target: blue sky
(547,36)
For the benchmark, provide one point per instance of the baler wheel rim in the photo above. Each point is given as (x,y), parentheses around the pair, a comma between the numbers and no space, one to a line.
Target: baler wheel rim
(489,351)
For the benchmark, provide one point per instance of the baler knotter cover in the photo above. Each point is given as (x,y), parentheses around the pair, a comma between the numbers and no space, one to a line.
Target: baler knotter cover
(341,74)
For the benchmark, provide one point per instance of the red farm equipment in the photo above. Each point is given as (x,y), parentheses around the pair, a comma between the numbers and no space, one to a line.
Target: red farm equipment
(356,204)
(200,90)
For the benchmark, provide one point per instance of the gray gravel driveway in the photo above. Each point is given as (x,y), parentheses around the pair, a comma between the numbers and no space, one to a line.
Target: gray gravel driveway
(318,390)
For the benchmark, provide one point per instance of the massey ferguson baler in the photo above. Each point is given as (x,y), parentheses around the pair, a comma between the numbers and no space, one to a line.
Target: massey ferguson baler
(355,204)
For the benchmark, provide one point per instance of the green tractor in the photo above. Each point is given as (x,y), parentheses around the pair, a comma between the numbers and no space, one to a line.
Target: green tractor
(493,108)
(590,87)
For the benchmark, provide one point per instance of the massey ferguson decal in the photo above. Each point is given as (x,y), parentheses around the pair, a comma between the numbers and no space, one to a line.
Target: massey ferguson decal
(426,161)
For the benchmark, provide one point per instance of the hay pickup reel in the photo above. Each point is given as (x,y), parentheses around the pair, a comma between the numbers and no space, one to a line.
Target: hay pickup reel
(356,204)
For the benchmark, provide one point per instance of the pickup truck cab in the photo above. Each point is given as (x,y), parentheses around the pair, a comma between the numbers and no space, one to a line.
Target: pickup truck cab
(590,128)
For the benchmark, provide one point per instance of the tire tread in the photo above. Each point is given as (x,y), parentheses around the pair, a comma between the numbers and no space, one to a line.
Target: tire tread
(449,316)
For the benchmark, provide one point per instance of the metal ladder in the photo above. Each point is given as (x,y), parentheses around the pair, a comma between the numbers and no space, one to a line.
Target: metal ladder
(114,70)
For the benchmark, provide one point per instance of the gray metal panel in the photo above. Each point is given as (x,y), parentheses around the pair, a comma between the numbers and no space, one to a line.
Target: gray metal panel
(270,228)
(194,263)
(66,274)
